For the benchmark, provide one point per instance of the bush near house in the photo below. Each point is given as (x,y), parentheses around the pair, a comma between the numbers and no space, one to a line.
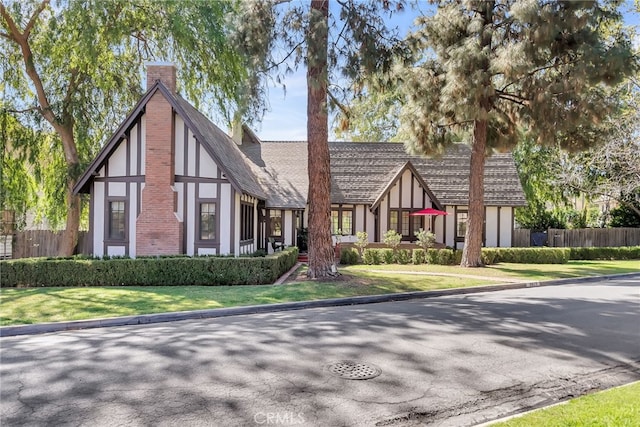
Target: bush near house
(496,255)
(617,253)
(164,271)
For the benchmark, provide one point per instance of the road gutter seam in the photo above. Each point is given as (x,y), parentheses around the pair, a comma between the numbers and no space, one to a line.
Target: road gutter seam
(143,319)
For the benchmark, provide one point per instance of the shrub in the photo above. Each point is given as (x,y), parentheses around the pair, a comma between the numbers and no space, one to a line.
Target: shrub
(419,256)
(622,252)
(349,256)
(489,256)
(372,257)
(362,240)
(431,256)
(392,239)
(403,256)
(446,257)
(532,255)
(426,239)
(168,271)
(387,255)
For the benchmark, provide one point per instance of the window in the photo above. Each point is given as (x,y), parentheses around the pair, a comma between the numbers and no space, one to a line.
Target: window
(335,223)
(393,220)
(275,223)
(405,224)
(246,221)
(342,221)
(461,224)
(207,221)
(117,224)
(416,224)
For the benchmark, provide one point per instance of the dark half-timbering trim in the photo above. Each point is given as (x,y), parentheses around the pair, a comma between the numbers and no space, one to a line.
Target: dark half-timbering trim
(127,179)
(499,226)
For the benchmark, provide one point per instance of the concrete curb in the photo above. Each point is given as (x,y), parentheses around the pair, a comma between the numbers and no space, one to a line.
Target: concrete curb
(42,328)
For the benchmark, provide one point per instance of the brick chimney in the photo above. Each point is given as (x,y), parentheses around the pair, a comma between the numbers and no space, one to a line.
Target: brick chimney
(158,231)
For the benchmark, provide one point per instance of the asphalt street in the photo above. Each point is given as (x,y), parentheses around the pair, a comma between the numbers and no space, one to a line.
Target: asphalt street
(455,360)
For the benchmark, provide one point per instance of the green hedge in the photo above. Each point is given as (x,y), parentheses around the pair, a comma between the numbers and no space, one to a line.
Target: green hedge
(165,271)
(623,252)
(526,255)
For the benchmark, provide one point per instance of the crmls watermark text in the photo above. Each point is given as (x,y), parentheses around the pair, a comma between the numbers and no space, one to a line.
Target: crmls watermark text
(279,418)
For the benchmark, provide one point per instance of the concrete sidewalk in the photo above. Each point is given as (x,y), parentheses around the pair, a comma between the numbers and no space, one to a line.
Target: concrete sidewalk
(43,328)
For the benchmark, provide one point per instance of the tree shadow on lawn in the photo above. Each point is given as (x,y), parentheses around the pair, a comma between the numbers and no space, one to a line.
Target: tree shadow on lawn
(575,269)
(227,370)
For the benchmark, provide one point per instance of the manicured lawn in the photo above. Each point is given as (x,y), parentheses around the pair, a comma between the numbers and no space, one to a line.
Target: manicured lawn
(618,407)
(518,271)
(37,305)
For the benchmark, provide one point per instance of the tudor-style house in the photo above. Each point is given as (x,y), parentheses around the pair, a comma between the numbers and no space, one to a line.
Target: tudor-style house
(171,182)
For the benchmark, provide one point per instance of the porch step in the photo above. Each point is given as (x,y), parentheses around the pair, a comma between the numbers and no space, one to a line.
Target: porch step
(303,258)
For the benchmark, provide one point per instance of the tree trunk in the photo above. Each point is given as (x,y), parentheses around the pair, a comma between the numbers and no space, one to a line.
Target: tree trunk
(475,222)
(471,255)
(321,255)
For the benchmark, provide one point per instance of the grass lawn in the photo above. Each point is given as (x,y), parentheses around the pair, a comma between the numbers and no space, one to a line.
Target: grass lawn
(618,407)
(38,305)
(518,271)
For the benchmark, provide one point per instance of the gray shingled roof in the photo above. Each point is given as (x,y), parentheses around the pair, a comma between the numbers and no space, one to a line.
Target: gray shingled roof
(223,149)
(360,170)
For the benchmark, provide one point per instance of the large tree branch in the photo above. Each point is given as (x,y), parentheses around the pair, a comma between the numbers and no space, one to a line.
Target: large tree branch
(34,18)
(27,55)
(600,193)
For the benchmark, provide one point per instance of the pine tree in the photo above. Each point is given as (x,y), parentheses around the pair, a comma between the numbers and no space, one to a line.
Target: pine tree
(492,67)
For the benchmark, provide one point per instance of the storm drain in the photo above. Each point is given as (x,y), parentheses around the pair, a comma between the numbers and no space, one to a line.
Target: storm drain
(352,370)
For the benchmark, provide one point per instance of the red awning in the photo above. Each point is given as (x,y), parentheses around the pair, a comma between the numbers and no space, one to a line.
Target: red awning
(429,211)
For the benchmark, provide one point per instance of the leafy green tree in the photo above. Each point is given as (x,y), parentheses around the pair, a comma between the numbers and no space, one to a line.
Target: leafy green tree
(626,215)
(74,69)
(362,241)
(493,67)
(282,36)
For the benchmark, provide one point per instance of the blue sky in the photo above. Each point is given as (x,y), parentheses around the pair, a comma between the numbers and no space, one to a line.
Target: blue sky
(287,116)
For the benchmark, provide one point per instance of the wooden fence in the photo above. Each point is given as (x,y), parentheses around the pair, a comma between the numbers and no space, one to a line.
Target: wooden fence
(41,243)
(582,237)
(594,237)
(521,237)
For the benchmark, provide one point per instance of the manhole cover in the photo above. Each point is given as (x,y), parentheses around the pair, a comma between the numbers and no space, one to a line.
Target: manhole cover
(352,370)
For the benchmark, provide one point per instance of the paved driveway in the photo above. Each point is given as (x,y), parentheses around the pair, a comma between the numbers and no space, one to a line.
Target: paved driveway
(456,360)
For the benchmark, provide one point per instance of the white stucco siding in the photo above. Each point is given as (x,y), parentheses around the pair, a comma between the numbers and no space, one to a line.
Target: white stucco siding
(117,165)
(491,227)
(450,225)
(506,226)
(191,155)
(371,224)
(116,250)
(179,145)
(133,150)
(190,212)
(208,168)
(117,189)
(133,210)
(224,203)
(179,188)
(208,190)
(360,218)
(438,228)
(236,223)
(287,228)
(207,251)
(394,194)
(418,196)
(143,133)
(98,218)
(407,198)
(383,217)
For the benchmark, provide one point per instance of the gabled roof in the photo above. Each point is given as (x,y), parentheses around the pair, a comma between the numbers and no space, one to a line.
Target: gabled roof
(359,170)
(396,176)
(217,143)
